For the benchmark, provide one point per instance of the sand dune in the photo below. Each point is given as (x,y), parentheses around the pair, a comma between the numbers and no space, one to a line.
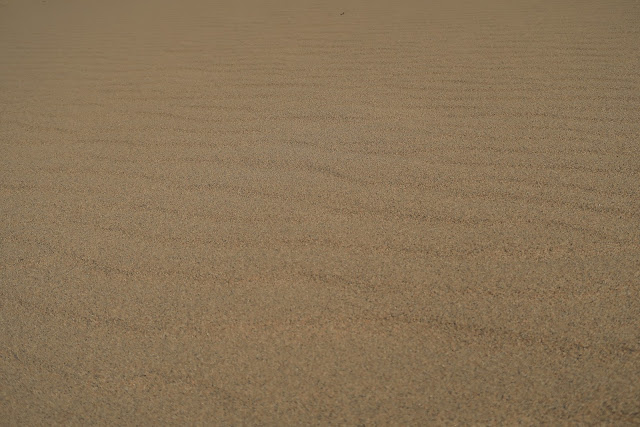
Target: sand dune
(319,212)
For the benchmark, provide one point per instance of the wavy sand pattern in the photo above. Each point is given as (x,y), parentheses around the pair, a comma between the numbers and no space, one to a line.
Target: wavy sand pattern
(360,212)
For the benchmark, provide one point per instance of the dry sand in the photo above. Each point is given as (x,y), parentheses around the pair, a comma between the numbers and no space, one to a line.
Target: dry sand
(295,212)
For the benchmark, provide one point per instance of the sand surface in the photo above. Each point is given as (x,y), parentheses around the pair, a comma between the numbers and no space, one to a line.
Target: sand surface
(297,212)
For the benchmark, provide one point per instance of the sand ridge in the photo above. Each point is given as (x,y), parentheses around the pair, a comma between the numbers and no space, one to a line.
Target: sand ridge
(319,213)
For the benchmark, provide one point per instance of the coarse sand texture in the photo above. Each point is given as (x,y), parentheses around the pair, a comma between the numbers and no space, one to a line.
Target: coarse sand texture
(349,212)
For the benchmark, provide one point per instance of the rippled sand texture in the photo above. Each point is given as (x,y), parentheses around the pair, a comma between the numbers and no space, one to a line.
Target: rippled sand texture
(275,213)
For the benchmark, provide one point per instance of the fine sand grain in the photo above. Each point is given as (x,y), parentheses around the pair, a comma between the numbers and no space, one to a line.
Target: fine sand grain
(314,212)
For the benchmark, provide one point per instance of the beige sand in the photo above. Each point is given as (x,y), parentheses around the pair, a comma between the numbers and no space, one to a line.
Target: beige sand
(297,212)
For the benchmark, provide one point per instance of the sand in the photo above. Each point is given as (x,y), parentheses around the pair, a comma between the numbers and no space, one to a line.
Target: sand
(339,212)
